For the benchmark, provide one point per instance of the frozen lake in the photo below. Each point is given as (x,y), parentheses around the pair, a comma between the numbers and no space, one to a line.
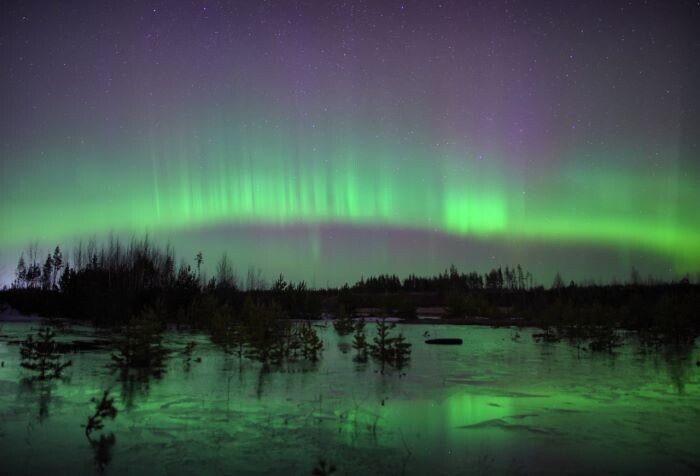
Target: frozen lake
(492,405)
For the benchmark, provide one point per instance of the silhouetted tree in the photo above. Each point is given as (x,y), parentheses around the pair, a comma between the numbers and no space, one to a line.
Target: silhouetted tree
(225,276)
(58,265)
(21,273)
(635,279)
(520,277)
(41,355)
(558,282)
(139,351)
(389,349)
(198,260)
(104,408)
(311,344)
(254,279)
(359,342)
(494,279)
(47,274)
(323,468)
(280,284)
(342,323)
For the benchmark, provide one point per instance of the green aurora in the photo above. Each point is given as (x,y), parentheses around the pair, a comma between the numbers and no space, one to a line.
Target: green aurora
(249,176)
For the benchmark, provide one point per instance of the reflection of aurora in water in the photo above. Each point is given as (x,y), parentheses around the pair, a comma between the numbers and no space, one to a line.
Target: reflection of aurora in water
(491,405)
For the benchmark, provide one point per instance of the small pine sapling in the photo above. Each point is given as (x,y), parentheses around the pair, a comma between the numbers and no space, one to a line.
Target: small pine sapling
(343,324)
(41,355)
(104,408)
(359,342)
(311,343)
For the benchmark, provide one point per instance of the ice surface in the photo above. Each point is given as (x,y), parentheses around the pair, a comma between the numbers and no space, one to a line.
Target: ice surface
(489,406)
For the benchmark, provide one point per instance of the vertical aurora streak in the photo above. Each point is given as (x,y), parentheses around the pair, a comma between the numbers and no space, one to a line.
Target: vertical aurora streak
(221,187)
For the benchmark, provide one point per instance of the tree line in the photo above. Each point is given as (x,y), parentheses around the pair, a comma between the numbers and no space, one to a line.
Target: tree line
(110,283)
(142,260)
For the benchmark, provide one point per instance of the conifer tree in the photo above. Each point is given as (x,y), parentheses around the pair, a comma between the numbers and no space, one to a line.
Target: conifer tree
(47,274)
(41,355)
(21,273)
(104,408)
(58,265)
(343,324)
(359,342)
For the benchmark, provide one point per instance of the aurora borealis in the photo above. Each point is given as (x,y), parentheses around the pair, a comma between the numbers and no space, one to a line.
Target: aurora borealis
(332,139)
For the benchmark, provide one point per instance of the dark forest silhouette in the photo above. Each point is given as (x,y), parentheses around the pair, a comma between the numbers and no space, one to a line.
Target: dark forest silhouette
(115,283)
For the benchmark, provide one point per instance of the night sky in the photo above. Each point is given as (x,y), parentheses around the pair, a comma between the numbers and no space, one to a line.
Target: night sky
(327,140)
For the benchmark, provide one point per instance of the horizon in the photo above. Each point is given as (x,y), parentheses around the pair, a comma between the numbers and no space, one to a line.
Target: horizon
(240,273)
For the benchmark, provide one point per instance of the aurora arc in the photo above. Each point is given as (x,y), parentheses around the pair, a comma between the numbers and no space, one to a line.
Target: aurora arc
(254,176)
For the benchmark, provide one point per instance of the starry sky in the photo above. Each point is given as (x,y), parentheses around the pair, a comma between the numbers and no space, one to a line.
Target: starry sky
(329,140)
